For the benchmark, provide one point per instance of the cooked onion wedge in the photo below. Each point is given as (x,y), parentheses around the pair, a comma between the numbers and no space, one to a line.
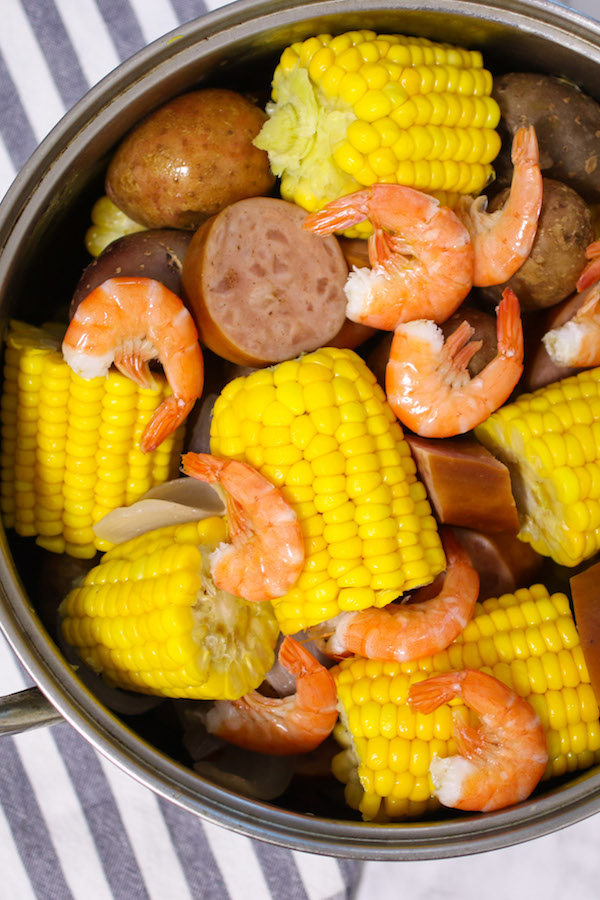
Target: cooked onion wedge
(172,503)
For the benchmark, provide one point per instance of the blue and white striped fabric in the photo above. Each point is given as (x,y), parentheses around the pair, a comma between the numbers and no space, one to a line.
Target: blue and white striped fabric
(72,825)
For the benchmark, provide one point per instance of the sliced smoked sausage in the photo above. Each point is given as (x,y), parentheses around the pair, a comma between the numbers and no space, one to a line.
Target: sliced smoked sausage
(259,287)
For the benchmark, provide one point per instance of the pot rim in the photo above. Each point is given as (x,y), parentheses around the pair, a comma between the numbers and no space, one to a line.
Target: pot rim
(32,189)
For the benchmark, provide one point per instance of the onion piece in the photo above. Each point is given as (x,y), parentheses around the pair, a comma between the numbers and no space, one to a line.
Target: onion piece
(175,502)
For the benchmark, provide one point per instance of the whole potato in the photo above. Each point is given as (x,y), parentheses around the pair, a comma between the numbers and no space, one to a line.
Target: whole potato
(557,257)
(157,253)
(567,124)
(190,159)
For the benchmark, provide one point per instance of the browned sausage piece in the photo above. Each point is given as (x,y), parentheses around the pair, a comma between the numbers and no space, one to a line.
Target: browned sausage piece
(466,484)
(259,287)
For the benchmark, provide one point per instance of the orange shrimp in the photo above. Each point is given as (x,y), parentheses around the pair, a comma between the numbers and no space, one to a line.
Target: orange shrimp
(577,342)
(128,321)
(591,273)
(267,550)
(281,726)
(420,253)
(408,631)
(502,240)
(427,382)
(501,760)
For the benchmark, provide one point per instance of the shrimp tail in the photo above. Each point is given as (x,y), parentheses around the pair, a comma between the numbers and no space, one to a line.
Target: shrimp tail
(202,466)
(169,415)
(426,696)
(294,657)
(509,328)
(591,273)
(339,214)
(525,149)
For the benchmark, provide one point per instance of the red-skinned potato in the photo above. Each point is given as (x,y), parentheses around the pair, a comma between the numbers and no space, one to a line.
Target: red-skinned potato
(567,125)
(504,563)
(189,159)
(261,288)
(157,254)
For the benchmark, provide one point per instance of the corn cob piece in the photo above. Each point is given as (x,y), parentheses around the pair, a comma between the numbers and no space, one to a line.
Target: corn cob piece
(320,429)
(108,224)
(528,640)
(150,619)
(550,440)
(70,446)
(357,108)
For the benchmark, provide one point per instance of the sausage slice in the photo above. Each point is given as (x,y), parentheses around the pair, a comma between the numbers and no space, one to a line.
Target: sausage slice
(259,287)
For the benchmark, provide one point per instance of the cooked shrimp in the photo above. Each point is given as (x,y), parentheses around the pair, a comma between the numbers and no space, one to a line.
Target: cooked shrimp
(128,321)
(502,759)
(577,342)
(420,252)
(427,382)
(591,273)
(267,551)
(281,726)
(502,240)
(408,631)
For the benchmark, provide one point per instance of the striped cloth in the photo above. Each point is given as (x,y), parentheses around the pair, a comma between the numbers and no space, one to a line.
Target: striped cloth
(72,825)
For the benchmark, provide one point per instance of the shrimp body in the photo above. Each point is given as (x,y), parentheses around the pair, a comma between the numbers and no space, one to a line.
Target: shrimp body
(266,554)
(129,321)
(577,342)
(408,631)
(420,253)
(501,760)
(427,382)
(502,240)
(281,726)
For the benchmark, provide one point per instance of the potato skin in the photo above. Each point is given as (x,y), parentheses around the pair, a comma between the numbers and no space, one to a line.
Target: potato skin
(189,159)
(567,124)
(558,254)
(157,253)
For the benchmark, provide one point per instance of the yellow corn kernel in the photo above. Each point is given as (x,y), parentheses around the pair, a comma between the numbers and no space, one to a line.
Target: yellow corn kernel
(368,92)
(347,506)
(143,613)
(557,504)
(68,439)
(399,743)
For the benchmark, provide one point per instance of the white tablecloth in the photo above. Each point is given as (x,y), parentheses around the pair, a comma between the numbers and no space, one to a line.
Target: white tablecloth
(72,825)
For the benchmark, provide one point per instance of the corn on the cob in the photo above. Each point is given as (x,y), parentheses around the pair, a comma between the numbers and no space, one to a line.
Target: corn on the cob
(108,224)
(528,640)
(550,440)
(357,108)
(70,447)
(320,429)
(150,619)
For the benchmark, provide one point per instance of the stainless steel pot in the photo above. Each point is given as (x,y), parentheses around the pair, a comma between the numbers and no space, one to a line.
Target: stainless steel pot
(49,202)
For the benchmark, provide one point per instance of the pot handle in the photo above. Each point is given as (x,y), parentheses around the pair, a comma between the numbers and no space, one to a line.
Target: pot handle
(26,710)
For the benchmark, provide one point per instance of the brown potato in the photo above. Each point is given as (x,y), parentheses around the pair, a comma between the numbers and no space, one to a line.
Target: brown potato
(557,257)
(157,253)
(567,124)
(189,159)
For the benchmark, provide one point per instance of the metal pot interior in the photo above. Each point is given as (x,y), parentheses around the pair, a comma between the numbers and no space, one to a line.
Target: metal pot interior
(42,222)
